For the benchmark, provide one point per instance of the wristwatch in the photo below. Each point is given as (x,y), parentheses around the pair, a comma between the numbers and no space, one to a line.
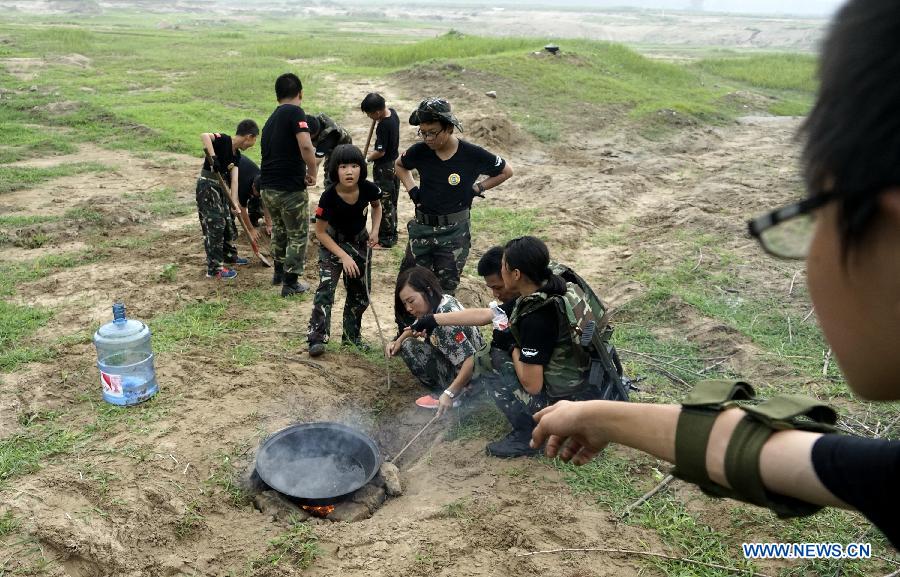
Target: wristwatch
(450,393)
(480,187)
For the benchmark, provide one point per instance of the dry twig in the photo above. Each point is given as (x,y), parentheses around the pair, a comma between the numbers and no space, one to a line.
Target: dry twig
(793,280)
(647,554)
(646,496)
(809,314)
(827,361)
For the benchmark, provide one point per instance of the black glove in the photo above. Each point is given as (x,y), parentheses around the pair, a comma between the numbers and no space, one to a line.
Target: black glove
(214,163)
(426,323)
(414,194)
(478,191)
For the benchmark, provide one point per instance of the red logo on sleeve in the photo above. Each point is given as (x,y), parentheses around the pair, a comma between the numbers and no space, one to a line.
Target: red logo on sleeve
(319,211)
(459,337)
(303,124)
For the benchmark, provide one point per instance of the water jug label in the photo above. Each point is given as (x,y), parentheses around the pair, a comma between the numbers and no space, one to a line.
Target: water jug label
(112,384)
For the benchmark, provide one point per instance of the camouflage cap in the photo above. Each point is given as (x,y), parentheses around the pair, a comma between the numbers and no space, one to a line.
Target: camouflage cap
(433,110)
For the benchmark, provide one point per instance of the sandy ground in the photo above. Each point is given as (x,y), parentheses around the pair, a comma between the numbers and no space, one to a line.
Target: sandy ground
(115,508)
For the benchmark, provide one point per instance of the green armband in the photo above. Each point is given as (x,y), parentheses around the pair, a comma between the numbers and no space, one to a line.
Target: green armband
(747,440)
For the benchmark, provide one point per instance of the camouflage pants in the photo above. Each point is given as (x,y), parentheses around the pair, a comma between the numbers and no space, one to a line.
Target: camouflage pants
(442,249)
(217,223)
(432,368)
(290,227)
(330,270)
(387,181)
(515,402)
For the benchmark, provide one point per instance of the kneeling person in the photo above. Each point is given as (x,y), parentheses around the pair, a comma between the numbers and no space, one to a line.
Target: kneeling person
(535,358)
(341,230)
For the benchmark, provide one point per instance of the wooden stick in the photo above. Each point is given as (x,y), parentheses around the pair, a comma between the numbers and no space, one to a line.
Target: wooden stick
(387,359)
(648,554)
(411,441)
(827,361)
(809,314)
(646,496)
(369,139)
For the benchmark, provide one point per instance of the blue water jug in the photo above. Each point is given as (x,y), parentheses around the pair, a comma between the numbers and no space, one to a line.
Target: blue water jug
(125,360)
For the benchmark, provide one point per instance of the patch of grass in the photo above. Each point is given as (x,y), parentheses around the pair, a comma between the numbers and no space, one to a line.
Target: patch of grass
(23,452)
(8,523)
(779,71)
(16,324)
(245,354)
(13,221)
(34,239)
(456,509)
(480,419)
(84,214)
(15,273)
(225,477)
(190,521)
(13,178)
(297,548)
(260,301)
(164,202)
(199,324)
(169,272)
(503,224)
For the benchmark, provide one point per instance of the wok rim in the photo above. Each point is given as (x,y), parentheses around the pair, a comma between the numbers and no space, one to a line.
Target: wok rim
(266,467)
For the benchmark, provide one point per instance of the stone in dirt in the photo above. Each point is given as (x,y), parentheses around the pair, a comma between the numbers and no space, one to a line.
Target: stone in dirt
(372,496)
(275,505)
(349,512)
(391,475)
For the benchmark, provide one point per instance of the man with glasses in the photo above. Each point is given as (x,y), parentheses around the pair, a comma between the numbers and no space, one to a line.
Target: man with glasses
(782,453)
(449,168)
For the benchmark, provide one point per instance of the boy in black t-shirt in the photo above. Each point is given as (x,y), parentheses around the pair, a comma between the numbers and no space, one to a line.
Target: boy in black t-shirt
(383,154)
(216,215)
(341,230)
(439,236)
(288,167)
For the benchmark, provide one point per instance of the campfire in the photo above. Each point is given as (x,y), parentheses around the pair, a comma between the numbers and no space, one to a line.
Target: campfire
(320,512)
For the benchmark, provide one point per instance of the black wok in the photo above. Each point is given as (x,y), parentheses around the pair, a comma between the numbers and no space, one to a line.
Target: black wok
(318,463)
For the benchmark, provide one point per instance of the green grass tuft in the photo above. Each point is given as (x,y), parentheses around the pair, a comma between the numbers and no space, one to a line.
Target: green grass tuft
(13,178)
(200,324)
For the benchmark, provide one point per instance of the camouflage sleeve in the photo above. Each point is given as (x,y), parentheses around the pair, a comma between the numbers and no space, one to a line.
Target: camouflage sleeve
(456,343)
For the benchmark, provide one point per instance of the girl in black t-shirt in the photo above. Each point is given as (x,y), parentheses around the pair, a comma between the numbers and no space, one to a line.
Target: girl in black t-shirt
(341,230)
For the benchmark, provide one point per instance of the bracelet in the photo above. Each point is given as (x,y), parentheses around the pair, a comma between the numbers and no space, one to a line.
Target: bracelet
(450,393)
(480,187)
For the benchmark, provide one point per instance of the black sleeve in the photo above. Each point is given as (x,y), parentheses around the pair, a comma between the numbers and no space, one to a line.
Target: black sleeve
(372,193)
(410,158)
(380,137)
(538,333)
(864,473)
(487,162)
(298,120)
(326,205)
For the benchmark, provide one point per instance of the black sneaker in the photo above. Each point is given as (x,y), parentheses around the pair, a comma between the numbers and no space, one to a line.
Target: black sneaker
(292,286)
(278,274)
(515,444)
(316,349)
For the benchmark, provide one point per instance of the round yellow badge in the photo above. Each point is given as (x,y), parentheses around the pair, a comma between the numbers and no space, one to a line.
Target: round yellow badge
(453,179)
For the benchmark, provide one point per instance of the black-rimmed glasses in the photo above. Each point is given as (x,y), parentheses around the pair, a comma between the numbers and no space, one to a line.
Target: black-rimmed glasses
(428,134)
(787,232)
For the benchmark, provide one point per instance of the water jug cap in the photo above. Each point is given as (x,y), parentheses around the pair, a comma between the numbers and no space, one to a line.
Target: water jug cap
(119,312)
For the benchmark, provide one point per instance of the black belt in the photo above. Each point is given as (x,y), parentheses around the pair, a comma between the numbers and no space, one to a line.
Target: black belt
(442,219)
(340,237)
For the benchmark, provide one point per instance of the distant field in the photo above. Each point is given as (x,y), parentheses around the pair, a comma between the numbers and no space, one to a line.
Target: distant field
(131,84)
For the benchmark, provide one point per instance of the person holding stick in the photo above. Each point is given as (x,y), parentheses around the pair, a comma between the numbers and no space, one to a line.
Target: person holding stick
(341,231)
(223,154)
(782,453)
(382,157)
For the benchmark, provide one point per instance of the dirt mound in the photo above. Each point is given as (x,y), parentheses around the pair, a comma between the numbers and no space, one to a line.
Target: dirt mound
(494,132)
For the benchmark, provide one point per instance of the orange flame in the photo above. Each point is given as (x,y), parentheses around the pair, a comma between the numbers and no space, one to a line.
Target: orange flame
(320,512)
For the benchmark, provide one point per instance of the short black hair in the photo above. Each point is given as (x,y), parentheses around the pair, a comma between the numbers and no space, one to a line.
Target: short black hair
(247,127)
(530,255)
(346,154)
(421,280)
(287,86)
(491,262)
(426,117)
(853,131)
(373,102)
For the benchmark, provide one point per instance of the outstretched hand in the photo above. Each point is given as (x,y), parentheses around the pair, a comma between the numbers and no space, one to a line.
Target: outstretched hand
(571,431)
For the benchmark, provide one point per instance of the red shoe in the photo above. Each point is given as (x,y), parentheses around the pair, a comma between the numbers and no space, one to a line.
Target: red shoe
(431,402)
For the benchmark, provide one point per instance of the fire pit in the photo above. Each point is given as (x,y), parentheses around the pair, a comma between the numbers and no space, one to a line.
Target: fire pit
(317,463)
